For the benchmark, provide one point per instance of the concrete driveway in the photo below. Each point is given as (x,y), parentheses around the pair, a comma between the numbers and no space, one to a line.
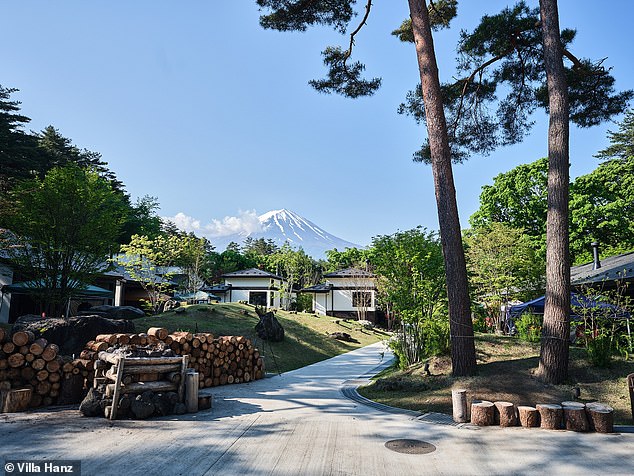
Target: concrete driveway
(302,423)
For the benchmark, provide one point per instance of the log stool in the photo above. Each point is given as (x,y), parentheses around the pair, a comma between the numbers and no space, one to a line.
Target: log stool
(575,418)
(529,416)
(482,413)
(459,402)
(551,415)
(505,414)
(600,417)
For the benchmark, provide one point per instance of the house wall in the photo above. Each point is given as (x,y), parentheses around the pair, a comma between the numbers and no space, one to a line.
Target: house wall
(6,277)
(253,282)
(320,303)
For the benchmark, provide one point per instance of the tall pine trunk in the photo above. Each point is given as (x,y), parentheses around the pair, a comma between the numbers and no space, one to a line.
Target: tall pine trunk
(553,362)
(461,327)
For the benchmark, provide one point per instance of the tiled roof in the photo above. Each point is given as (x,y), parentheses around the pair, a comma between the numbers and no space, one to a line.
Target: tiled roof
(612,268)
(318,288)
(251,273)
(349,273)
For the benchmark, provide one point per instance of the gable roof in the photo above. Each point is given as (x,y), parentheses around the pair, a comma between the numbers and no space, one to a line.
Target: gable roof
(612,268)
(349,273)
(251,273)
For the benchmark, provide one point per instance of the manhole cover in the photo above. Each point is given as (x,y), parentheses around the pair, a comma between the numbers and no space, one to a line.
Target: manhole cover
(411,447)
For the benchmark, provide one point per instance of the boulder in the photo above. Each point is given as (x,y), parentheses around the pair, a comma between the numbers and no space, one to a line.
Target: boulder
(72,334)
(91,405)
(269,328)
(141,409)
(344,336)
(115,312)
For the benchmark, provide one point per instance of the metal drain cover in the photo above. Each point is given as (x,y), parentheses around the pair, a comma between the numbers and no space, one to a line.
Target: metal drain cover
(410,447)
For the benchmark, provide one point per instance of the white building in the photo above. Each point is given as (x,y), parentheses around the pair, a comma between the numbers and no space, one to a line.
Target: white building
(349,293)
(254,286)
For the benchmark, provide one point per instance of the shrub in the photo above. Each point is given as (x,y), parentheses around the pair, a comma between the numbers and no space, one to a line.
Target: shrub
(599,350)
(529,327)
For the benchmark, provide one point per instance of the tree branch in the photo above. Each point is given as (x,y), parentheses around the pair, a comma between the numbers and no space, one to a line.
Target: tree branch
(368,7)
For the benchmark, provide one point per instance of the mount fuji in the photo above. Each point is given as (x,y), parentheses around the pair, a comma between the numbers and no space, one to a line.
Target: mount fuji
(283,226)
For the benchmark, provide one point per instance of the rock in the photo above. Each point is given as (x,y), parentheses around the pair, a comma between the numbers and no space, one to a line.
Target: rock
(72,390)
(91,405)
(344,336)
(269,328)
(180,409)
(141,409)
(115,312)
(72,334)
(162,405)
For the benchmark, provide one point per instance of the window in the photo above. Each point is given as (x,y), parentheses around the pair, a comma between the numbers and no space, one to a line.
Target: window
(361,299)
(257,298)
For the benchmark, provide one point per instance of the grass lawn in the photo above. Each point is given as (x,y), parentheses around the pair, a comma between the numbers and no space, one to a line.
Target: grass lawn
(306,338)
(506,368)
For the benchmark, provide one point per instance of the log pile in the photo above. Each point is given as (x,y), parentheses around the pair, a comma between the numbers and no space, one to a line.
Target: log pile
(27,363)
(35,364)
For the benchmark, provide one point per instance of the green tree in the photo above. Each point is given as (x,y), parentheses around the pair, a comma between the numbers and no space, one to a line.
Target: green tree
(193,255)
(411,282)
(349,258)
(66,224)
(295,266)
(18,149)
(344,77)
(503,267)
(517,198)
(621,142)
(150,262)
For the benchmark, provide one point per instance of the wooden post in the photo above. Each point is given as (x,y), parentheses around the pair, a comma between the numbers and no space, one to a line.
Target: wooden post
(459,401)
(575,418)
(181,385)
(191,391)
(482,413)
(630,384)
(600,417)
(505,414)
(551,416)
(117,388)
(529,416)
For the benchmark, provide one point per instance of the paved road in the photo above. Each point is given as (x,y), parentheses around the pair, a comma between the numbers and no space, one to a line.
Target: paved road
(300,423)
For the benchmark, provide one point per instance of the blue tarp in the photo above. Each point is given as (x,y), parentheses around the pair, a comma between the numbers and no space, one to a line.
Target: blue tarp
(578,301)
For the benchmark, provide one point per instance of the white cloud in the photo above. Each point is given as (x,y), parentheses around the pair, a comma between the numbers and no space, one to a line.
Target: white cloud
(184,222)
(246,222)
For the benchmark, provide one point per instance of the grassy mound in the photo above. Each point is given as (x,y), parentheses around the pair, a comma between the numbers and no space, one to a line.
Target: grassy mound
(306,335)
(506,368)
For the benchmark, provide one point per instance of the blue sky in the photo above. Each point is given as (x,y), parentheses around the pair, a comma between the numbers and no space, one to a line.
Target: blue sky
(192,102)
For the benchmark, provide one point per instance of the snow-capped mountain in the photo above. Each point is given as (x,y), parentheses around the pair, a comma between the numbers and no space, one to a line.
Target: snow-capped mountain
(286,226)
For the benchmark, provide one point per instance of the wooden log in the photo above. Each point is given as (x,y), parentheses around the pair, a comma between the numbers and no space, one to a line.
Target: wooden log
(29,357)
(140,387)
(600,417)
(4,364)
(68,367)
(43,388)
(191,392)
(505,414)
(113,358)
(529,416)
(174,377)
(38,364)
(20,338)
(23,349)
(54,377)
(459,403)
(3,335)
(8,347)
(149,369)
(36,400)
(16,360)
(15,400)
(6,385)
(42,375)
(551,416)
(187,335)
(38,346)
(482,413)
(575,418)
(148,377)
(158,332)
(111,339)
(27,373)
(53,365)
(50,352)
(122,339)
(96,346)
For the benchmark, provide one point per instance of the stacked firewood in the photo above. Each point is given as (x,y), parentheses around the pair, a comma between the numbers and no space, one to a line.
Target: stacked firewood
(218,361)
(30,363)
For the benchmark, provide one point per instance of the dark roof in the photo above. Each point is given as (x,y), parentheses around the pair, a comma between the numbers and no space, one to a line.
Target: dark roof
(217,288)
(612,268)
(318,288)
(251,273)
(349,273)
